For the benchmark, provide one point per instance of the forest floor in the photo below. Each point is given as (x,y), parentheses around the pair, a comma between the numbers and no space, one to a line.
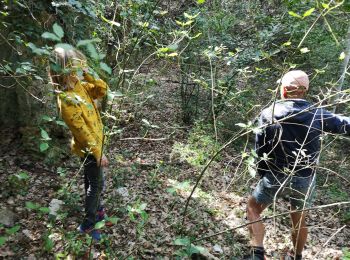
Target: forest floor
(147,184)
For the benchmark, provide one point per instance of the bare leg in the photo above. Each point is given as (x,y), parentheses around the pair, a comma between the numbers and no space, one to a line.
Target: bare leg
(299,231)
(257,230)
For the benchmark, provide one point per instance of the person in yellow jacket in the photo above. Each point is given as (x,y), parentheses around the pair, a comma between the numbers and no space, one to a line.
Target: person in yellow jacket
(75,98)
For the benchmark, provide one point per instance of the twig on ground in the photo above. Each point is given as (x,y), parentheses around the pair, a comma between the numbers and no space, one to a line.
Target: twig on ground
(330,238)
(144,139)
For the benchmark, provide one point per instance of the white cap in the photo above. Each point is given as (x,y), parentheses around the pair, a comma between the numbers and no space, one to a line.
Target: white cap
(295,78)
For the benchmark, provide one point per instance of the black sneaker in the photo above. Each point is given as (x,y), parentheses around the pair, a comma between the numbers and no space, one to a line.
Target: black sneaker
(291,256)
(257,253)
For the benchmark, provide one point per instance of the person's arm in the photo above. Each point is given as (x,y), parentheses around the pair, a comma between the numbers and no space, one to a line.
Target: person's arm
(72,116)
(334,123)
(260,138)
(96,88)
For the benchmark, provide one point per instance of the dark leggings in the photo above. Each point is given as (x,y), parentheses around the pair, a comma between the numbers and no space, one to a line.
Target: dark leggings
(93,177)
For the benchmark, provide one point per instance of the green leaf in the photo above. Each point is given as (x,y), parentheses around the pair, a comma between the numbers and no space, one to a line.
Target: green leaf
(308,12)
(86,42)
(194,249)
(101,56)
(191,17)
(110,21)
(48,246)
(241,125)
(105,67)
(174,54)
(11,231)
(325,6)
(304,50)
(200,1)
(143,206)
(112,94)
(173,47)
(43,147)
(44,135)
(64,46)
(171,190)
(113,220)
(47,118)
(291,13)
(144,216)
(58,30)
(342,56)
(36,50)
(44,210)
(2,240)
(31,205)
(182,241)
(100,225)
(92,51)
(163,50)
(146,122)
(60,256)
(196,36)
(23,176)
(252,171)
(50,36)
(59,122)
(254,153)
(198,249)
(288,43)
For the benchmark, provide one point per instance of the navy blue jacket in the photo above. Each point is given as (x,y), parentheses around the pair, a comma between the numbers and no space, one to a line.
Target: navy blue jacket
(290,143)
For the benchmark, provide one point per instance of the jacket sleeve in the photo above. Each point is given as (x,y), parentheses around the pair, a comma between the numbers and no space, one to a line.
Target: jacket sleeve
(96,88)
(260,138)
(72,116)
(334,123)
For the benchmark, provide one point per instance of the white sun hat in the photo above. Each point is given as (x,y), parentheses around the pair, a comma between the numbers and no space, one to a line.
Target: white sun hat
(295,78)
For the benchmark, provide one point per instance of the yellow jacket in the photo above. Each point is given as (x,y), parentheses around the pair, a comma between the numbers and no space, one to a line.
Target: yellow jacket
(81,115)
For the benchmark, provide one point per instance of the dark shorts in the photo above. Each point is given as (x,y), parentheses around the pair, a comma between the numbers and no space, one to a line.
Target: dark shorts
(299,190)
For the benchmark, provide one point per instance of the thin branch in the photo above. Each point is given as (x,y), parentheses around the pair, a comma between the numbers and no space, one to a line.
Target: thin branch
(345,67)
(312,26)
(144,139)
(331,237)
(212,99)
(335,173)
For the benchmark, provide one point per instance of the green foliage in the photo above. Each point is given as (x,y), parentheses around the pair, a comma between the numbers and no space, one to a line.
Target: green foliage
(200,147)
(346,253)
(18,183)
(335,192)
(8,232)
(48,244)
(138,214)
(177,187)
(187,248)
(36,207)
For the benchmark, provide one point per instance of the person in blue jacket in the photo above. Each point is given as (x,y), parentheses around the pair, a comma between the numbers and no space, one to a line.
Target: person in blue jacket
(288,147)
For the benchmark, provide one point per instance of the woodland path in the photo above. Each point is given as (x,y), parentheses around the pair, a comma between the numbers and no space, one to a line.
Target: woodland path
(146,170)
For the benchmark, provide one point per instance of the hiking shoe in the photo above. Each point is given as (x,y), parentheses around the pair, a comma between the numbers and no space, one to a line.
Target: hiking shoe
(101,214)
(254,257)
(257,253)
(89,229)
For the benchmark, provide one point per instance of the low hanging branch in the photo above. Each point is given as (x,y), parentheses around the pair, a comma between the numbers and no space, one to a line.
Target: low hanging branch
(274,216)
(345,68)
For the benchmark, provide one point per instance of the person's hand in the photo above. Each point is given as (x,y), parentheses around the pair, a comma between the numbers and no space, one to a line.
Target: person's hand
(103,162)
